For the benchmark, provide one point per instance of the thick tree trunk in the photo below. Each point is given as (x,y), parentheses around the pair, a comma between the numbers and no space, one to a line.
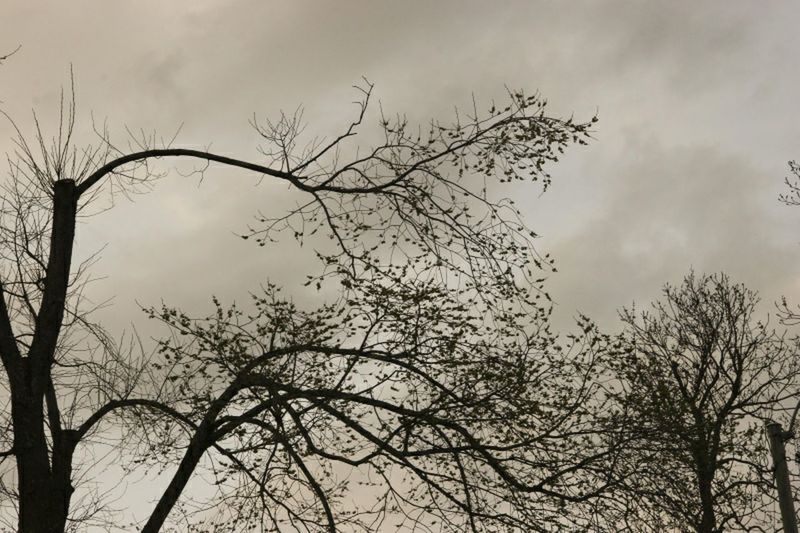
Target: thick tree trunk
(708,520)
(33,466)
(44,475)
(44,491)
(51,312)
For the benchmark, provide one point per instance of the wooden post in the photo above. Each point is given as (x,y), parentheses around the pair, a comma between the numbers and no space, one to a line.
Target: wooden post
(776,438)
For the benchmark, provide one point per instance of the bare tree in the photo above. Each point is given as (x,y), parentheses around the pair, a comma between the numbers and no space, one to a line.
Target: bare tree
(433,376)
(700,377)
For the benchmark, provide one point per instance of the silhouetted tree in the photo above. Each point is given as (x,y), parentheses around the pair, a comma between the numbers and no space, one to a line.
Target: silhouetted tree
(699,377)
(434,375)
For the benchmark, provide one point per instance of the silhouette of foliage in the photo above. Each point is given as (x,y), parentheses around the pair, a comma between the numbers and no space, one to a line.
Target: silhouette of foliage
(793,196)
(432,383)
(698,379)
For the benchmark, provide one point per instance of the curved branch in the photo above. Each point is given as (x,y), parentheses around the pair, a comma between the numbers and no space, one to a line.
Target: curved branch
(297,181)
(109,167)
(135,402)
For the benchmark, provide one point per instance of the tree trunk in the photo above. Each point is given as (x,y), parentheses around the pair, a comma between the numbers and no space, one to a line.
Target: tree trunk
(44,492)
(708,520)
(192,456)
(33,466)
(44,475)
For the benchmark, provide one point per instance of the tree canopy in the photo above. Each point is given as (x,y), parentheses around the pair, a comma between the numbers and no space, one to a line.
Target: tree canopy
(432,380)
(699,378)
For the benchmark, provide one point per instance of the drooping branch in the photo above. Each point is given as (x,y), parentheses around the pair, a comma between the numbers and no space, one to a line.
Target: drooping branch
(113,405)
(111,166)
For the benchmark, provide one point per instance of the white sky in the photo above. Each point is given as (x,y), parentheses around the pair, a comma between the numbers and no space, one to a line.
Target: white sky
(697,102)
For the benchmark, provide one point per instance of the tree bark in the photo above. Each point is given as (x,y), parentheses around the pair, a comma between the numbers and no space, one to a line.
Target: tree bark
(708,520)
(44,486)
(45,490)
(51,313)
(30,447)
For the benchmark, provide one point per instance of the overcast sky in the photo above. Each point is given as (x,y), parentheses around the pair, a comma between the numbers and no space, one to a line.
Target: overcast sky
(697,103)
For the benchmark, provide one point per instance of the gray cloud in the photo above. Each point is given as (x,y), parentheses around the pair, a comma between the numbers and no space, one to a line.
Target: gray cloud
(697,101)
(697,96)
(678,209)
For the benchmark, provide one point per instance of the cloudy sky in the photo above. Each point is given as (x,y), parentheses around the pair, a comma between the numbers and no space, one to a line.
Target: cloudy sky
(697,103)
